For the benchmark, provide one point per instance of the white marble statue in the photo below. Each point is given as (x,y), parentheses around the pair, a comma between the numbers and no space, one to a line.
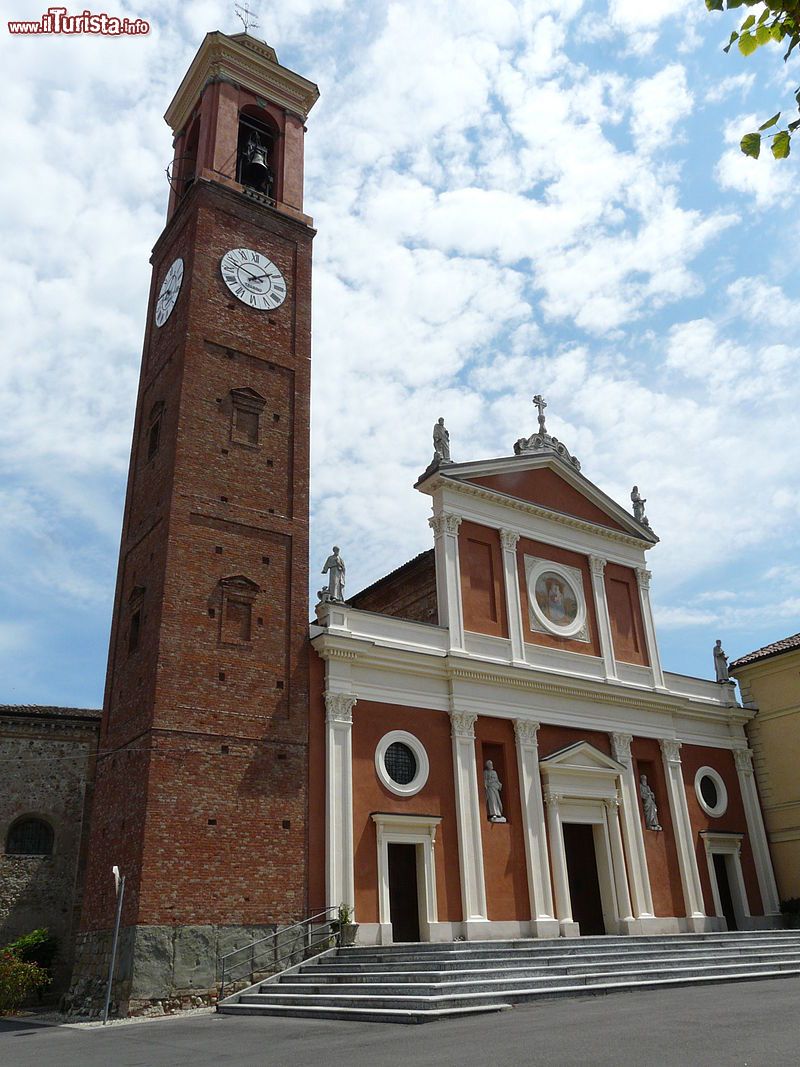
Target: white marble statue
(721,663)
(441,443)
(649,804)
(493,785)
(639,502)
(335,569)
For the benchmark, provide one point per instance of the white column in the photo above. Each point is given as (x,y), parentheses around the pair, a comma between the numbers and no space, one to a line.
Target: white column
(643,579)
(339,878)
(566,925)
(756,831)
(618,860)
(684,838)
(508,541)
(642,898)
(598,566)
(543,921)
(468,816)
(448,577)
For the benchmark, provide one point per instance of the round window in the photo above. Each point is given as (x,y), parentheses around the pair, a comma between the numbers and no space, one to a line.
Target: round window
(401,766)
(401,763)
(711,792)
(556,598)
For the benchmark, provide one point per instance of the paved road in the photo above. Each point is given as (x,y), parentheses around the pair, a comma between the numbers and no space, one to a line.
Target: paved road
(745,1025)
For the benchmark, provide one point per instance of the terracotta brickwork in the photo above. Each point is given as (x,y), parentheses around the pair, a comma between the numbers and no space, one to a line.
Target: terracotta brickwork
(407,593)
(202,778)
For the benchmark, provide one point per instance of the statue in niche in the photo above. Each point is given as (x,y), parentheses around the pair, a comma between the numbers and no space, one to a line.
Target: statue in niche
(493,785)
(441,443)
(649,804)
(720,663)
(335,569)
(639,502)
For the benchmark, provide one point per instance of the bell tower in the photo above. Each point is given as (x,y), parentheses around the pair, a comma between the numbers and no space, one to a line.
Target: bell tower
(201,783)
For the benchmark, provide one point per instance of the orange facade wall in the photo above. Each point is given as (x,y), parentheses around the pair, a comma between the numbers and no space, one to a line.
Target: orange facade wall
(625,613)
(546,488)
(660,847)
(370,722)
(482,584)
(505,870)
(526,547)
(733,821)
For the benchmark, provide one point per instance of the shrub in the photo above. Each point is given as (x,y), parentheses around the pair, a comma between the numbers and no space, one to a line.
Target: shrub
(39,947)
(18,979)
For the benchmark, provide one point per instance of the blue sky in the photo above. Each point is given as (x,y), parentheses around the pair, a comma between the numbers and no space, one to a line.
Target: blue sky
(511,198)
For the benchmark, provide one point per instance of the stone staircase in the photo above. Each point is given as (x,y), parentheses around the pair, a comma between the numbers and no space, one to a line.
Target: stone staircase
(415,983)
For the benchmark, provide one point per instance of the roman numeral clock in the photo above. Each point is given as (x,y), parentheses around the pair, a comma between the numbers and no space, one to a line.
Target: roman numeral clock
(253,278)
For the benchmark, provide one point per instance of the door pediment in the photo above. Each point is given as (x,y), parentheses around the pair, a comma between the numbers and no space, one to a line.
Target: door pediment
(581,770)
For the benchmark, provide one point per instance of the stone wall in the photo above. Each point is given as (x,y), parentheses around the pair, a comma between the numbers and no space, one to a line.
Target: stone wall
(48,759)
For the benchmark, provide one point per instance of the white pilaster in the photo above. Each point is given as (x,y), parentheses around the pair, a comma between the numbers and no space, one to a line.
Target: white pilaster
(684,838)
(598,566)
(508,542)
(543,921)
(468,817)
(566,925)
(641,895)
(756,831)
(339,878)
(618,860)
(643,579)
(448,577)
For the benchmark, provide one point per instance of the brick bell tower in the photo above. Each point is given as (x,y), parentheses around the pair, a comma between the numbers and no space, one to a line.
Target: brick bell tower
(201,787)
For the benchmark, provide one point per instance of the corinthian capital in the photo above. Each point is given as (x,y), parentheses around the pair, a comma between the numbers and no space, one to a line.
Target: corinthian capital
(744,760)
(643,576)
(463,724)
(526,731)
(339,707)
(621,748)
(508,539)
(444,523)
(597,565)
(671,750)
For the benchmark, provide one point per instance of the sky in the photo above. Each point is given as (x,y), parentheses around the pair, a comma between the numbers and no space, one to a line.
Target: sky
(511,198)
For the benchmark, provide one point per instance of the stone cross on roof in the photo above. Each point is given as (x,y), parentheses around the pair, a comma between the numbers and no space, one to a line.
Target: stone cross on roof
(542,441)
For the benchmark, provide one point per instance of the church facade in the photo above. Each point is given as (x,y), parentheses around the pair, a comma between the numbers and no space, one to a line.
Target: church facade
(483,744)
(502,751)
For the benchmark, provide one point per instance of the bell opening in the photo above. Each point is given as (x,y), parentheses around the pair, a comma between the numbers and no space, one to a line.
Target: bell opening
(255,155)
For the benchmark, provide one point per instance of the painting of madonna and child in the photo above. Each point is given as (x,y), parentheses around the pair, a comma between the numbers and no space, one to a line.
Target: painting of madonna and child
(556,599)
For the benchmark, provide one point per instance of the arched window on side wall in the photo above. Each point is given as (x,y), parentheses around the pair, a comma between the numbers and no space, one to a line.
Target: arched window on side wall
(29,836)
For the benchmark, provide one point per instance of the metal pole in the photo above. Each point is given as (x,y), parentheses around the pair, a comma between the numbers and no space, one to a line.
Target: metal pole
(120,895)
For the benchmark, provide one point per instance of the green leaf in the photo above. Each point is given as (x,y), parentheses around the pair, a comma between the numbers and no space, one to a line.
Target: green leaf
(770,122)
(776,31)
(762,34)
(750,144)
(727,47)
(748,22)
(714,5)
(781,144)
(764,15)
(747,44)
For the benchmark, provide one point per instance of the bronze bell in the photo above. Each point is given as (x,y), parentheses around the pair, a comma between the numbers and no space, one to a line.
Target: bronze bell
(257,154)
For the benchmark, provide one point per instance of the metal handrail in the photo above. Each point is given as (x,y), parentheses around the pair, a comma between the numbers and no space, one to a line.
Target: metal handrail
(326,929)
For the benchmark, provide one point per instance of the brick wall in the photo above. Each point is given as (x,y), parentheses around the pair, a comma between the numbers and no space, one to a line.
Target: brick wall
(407,593)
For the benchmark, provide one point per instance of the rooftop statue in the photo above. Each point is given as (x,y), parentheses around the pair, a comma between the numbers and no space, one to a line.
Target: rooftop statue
(335,569)
(720,663)
(639,502)
(441,443)
(542,441)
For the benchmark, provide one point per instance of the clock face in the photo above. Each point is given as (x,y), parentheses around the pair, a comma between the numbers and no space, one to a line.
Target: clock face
(168,294)
(253,278)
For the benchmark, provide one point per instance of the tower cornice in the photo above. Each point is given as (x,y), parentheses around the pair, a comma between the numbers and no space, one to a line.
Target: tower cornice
(247,62)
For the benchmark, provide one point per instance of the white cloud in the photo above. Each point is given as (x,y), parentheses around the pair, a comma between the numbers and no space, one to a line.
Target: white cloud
(658,104)
(726,87)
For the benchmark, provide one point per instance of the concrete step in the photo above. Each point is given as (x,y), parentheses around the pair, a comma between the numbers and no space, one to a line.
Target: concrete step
(326,975)
(365,1015)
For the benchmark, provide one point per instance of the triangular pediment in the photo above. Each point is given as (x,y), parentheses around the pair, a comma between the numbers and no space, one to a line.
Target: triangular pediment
(546,481)
(582,756)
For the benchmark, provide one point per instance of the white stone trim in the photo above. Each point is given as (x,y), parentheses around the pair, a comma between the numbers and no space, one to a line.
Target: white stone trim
(448,576)
(598,566)
(730,846)
(722,792)
(339,853)
(641,894)
(418,830)
(578,629)
(420,755)
(756,832)
(684,836)
(643,581)
(534,831)
(468,817)
(508,543)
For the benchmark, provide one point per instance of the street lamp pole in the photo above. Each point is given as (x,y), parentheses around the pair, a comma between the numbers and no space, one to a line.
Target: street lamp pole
(120,887)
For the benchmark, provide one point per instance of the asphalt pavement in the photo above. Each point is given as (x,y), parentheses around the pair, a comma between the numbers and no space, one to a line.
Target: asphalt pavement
(748,1024)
